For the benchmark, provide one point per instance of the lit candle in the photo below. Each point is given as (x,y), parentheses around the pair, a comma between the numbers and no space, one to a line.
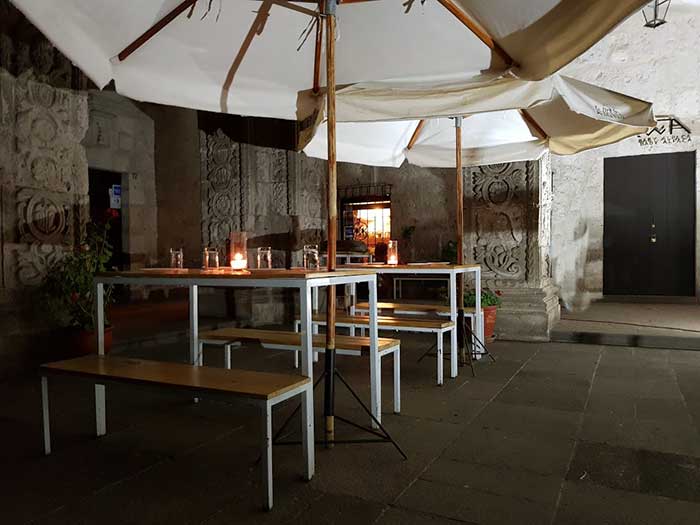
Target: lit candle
(238,262)
(392,252)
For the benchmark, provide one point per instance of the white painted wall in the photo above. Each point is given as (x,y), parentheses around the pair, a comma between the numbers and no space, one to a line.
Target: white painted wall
(661,65)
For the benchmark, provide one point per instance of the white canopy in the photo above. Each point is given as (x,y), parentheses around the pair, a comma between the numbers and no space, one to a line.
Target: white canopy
(187,61)
(561,113)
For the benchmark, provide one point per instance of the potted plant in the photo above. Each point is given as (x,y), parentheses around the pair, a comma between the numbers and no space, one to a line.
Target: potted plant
(490,301)
(68,290)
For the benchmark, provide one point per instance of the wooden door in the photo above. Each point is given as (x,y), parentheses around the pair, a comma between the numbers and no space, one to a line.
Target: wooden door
(649,225)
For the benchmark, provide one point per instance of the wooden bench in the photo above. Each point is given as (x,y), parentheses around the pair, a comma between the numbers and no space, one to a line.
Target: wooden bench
(439,327)
(281,340)
(262,388)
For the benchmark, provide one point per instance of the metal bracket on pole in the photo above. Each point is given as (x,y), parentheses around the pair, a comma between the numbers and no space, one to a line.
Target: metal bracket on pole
(330,6)
(458,122)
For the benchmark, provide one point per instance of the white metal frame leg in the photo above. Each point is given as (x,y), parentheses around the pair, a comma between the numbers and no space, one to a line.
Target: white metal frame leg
(440,361)
(194,324)
(45,419)
(479,321)
(267,453)
(375,371)
(307,402)
(453,318)
(227,356)
(397,381)
(100,395)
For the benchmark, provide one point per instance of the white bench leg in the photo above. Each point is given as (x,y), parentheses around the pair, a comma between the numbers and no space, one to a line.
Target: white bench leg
(100,411)
(315,332)
(267,454)
(200,354)
(307,431)
(375,375)
(440,367)
(453,355)
(45,414)
(227,356)
(397,381)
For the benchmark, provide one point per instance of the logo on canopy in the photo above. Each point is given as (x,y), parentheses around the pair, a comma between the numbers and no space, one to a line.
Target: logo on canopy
(668,130)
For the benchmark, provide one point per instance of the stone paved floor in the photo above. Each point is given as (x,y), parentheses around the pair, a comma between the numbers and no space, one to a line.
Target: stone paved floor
(551,433)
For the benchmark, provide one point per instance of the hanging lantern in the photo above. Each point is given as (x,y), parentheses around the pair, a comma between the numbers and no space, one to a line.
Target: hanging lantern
(655,13)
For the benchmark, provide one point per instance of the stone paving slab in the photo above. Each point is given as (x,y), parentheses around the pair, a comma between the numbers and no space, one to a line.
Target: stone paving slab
(550,433)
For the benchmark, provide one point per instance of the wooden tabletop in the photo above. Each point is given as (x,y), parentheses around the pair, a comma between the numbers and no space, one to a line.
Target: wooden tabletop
(244,383)
(416,266)
(228,273)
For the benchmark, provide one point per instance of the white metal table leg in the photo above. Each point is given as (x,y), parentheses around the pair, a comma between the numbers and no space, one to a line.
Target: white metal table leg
(453,318)
(479,318)
(353,302)
(397,381)
(375,371)
(267,453)
(440,360)
(227,356)
(194,324)
(100,404)
(45,420)
(307,403)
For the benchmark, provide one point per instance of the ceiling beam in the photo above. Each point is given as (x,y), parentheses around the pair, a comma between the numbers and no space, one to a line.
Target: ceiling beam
(155,29)
(478,31)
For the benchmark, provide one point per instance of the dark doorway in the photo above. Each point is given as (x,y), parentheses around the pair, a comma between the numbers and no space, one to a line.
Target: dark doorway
(649,228)
(105,186)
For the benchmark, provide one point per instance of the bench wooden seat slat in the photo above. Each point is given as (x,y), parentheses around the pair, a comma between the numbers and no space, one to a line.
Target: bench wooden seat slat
(276,337)
(413,307)
(244,383)
(390,322)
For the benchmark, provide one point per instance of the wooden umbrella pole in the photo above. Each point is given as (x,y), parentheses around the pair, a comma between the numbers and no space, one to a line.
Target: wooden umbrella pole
(460,240)
(329,400)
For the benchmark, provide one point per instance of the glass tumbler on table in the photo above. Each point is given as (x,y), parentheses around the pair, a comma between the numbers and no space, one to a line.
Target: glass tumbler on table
(265,257)
(311,258)
(176,258)
(210,259)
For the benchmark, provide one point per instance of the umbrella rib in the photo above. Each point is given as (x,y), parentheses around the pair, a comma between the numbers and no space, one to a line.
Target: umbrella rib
(155,29)
(256,28)
(478,31)
(416,134)
(532,122)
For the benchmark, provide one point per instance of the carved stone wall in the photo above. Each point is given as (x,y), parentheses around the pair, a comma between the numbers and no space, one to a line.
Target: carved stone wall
(44,176)
(43,202)
(276,196)
(508,212)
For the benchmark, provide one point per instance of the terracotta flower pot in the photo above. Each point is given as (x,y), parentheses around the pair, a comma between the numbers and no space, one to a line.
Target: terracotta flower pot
(490,322)
(85,342)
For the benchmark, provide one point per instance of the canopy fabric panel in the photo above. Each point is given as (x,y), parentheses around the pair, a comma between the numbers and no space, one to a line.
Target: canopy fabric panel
(562,114)
(188,61)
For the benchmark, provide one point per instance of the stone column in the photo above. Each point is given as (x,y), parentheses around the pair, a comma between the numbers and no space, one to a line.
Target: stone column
(508,223)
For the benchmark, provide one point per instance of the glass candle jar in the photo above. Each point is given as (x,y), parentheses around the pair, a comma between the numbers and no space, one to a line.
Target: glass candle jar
(392,252)
(238,254)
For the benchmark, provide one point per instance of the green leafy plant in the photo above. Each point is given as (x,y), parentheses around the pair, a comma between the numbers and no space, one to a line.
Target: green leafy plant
(68,291)
(488,298)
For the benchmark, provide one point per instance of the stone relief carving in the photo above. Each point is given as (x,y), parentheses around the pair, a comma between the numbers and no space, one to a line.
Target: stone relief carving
(221,188)
(34,263)
(499,215)
(49,125)
(545,215)
(43,217)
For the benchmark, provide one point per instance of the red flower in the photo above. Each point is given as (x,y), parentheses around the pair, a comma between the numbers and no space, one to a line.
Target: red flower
(74,297)
(499,293)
